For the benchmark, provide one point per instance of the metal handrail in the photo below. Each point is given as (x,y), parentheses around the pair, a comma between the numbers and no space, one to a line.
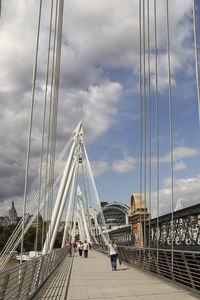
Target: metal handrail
(21,281)
(182,267)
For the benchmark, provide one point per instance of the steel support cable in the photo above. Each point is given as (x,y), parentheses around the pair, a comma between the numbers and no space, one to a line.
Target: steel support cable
(74,201)
(196,54)
(157,136)
(56,86)
(43,125)
(48,167)
(86,197)
(144,91)
(47,152)
(58,209)
(53,137)
(69,208)
(47,170)
(30,127)
(140,83)
(96,193)
(149,101)
(74,228)
(171,131)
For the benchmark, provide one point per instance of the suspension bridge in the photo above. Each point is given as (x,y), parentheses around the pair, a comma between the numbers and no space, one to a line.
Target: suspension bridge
(153,263)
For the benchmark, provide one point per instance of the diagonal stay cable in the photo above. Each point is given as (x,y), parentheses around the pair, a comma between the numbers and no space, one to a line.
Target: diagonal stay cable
(140,84)
(157,134)
(145,148)
(171,136)
(43,125)
(48,153)
(196,54)
(149,101)
(30,127)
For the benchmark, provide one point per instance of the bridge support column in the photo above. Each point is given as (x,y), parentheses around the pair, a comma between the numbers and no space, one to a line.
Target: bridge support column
(62,205)
(69,210)
(59,198)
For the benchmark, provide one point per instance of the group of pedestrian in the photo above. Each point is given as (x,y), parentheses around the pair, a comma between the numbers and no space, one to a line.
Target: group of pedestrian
(81,247)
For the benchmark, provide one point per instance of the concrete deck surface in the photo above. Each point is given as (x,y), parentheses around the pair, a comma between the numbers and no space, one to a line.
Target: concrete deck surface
(93,278)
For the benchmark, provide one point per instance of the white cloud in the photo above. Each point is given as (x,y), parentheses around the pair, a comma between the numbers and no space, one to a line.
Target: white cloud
(125,165)
(178,154)
(183,152)
(185,189)
(99,167)
(95,107)
(180,166)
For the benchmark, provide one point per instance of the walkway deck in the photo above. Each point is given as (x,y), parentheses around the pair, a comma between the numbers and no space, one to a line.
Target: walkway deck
(92,278)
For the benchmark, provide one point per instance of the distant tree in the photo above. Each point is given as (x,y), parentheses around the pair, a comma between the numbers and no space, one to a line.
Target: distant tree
(1,229)
(58,241)
(5,233)
(29,238)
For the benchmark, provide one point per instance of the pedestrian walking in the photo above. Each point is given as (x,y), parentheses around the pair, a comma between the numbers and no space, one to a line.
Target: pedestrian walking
(90,245)
(74,245)
(85,249)
(112,253)
(80,248)
(69,248)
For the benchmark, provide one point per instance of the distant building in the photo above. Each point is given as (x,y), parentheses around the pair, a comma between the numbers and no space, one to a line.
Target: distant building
(38,219)
(13,214)
(115,214)
(137,218)
(12,217)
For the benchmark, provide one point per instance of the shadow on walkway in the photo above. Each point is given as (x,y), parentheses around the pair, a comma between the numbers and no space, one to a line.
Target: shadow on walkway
(93,279)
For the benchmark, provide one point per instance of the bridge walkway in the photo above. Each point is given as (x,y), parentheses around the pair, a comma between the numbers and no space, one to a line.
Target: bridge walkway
(92,278)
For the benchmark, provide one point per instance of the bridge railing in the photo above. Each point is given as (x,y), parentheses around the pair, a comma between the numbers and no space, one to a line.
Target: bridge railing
(182,267)
(24,280)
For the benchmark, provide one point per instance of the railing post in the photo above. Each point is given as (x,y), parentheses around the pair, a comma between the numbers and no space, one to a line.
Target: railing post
(170,266)
(22,272)
(4,286)
(38,274)
(156,261)
(31,284)
(51,261)
(188,270)
(46,267)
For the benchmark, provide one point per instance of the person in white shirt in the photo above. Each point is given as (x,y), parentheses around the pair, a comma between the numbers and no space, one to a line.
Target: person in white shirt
(80,248)
(112,253)
(85,249)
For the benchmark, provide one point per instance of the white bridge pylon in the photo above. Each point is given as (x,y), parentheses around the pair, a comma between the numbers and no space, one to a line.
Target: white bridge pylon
(82,208)
(78,211)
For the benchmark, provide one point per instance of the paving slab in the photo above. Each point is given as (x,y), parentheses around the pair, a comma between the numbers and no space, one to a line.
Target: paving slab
(93,278)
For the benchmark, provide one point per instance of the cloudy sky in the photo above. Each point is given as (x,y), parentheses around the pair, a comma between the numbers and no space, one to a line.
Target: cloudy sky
(100,86)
